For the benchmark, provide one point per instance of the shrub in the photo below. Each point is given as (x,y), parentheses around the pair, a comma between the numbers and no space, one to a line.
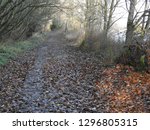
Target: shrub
(134,55)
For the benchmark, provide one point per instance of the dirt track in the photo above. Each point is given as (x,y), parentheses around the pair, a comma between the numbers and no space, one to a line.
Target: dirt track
(52,78)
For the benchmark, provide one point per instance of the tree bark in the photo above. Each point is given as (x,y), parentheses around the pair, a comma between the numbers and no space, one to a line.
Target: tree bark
(130,23)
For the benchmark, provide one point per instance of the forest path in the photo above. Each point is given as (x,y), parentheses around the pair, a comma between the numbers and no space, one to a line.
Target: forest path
(53,78)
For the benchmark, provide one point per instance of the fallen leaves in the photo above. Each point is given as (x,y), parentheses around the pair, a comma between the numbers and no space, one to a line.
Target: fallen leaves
(127,94)
(68,79)
(75,82)
(12,77)
(137,78)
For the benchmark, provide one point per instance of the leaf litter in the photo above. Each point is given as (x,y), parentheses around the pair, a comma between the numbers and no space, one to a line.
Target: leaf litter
(73,81)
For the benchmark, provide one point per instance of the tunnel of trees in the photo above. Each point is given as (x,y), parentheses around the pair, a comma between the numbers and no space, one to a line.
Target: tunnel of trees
(20,19)
(75,55)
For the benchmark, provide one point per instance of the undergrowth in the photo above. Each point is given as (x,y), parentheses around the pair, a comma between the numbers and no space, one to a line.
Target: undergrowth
(109,50)
(9,50)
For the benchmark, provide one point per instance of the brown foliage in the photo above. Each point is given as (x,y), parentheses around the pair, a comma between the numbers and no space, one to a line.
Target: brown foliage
(125,89)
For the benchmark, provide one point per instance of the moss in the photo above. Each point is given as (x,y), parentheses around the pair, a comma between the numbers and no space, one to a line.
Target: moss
(142,60)
(142,63)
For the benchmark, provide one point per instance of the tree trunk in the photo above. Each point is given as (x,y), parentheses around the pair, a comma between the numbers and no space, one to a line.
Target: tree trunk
(89,21)
(147,26)
(130,23)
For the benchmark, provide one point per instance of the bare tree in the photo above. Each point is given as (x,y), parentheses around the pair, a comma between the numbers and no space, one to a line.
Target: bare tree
(108,10)
(136,19)
(130,23)
(22,15)
(89,19)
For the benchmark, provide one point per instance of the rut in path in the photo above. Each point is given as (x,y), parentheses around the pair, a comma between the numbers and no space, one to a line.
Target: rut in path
(33,85)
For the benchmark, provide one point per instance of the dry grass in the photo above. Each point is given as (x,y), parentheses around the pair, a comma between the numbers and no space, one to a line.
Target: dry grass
(75,37)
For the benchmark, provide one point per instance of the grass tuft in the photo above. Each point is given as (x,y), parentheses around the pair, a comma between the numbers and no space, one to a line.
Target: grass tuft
(9,51)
